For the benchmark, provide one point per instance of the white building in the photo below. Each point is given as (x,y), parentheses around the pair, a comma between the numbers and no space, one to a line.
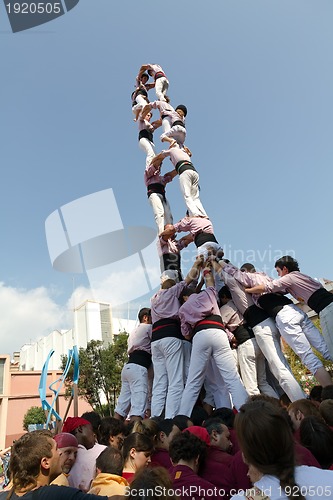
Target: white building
(92,321)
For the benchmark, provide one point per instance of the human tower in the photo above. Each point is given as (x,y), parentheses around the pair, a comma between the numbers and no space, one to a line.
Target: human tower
(226,336)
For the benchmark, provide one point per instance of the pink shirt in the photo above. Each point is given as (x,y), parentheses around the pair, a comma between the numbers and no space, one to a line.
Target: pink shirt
(140,338)
(231,317)
(297,284)
(152,175)
(154,67)
(167,110)
(176,155)
(194,225)
(145,125)
(170,246)
(248,280)
(165,303)
(241,299)
(197,307)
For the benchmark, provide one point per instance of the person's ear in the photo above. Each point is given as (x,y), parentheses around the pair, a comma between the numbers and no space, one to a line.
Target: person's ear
(132,452)
(45,463)
(214,434)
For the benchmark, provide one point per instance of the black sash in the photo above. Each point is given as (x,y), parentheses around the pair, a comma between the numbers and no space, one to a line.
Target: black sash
(243,333)
(141,358)
(178,122)
(320,299)
(272,303)
(211,321)
(181,166)
(159,74)
(156,187)
(146,134)
(166,328)
(203,237)
(254,315)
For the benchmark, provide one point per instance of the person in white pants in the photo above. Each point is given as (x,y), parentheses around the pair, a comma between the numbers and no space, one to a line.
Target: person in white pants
(155,184)
(160,79)
(250,358)
(293,324)
(301,286)
(200,319)
(173,121)
(133,396)
(167,344)
(188,177)
(299,333)
(268,338)
(146,138)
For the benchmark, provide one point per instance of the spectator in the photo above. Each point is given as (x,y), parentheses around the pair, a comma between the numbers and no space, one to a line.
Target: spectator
(137,450)
(109,469)
(67,446)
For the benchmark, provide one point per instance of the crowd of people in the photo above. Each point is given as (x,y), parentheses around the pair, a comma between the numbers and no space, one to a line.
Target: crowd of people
(263,451)
(209,406)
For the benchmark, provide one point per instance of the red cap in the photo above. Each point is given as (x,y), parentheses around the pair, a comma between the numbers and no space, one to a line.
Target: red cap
(72,423)
(65,440)
(200,432)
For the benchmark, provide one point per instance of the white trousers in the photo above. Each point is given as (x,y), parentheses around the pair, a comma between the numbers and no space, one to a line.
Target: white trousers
(134,391)
(140,103)
(326,322)
(187,349)
(161,210)
(161,88)
(217,394)
(168,385)
(268,339)
(300,333)
(178,132)
(211,344)
(189,186)
(149,148)
(166,124)
(252,369)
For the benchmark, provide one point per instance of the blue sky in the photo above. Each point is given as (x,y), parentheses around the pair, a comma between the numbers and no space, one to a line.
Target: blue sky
(257,79)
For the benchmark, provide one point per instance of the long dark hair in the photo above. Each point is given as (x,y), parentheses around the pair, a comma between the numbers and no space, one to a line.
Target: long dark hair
(266,441)
(139,441)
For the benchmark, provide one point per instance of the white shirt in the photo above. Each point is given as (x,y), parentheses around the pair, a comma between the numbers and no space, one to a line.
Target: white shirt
(312,483)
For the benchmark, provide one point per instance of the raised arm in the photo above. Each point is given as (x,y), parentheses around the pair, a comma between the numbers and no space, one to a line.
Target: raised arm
(168,233)
(145,110)
(157,123)
(172,173)
(185,241)
(143,68)
(194,271)
(256,289)
(157,160)
(187,150)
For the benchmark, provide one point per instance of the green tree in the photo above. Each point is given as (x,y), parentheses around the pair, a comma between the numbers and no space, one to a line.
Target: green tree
(35,415)
(100,373)
(301,373)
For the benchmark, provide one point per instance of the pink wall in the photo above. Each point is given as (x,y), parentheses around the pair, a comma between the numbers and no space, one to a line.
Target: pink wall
(23,393)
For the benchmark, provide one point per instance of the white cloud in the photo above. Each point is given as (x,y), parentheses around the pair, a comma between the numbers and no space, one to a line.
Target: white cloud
(26,315)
